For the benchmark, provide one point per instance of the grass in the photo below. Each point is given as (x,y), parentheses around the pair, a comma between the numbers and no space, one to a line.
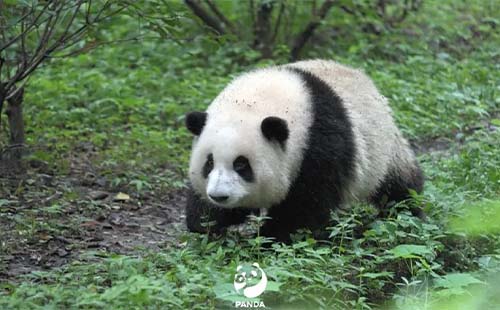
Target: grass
(121,108)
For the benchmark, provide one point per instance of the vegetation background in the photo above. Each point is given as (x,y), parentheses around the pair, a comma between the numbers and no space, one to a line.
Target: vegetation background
(92,180)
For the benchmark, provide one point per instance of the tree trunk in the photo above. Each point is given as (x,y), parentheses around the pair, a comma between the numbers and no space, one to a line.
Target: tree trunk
(307,33)
(263,32)
(14,113)
(3,94)
(208,19)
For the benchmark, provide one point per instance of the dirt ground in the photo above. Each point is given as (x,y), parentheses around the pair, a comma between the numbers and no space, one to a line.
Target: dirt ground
(44,225)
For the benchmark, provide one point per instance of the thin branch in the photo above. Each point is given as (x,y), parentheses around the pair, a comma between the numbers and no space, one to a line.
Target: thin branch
(17,89)
(359,12)
(221,16)
(24,66)
(51,17)
(33,23)
(291,13)
(22,18)
(251,7)
(208,19)
(47,31)
(24,53)
(3,94)
(72,19)
(38,59)
(105,6)
(87,15)
(98,18)
(62,42)
(308,31)
(94,45)
(278,21)
(348,10)
(399,15)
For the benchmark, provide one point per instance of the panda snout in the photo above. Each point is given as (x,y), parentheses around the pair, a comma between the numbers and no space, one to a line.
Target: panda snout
(219,199)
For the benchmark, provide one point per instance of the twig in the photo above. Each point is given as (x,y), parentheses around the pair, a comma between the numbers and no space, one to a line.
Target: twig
(291,13)
(221,16)
(251,7)
(24,54)
(63,41)
(278,21)
(208,19)
(32,24)
(95,45)
(306,34)
(17,89)
(49,41)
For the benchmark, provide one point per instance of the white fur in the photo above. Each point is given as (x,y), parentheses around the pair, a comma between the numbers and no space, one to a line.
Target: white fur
(223,180)
(233,129)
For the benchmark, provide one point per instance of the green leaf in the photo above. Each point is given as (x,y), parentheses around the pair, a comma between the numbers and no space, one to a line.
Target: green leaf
(374,275)
(410,251)
(495,122)
(457,280)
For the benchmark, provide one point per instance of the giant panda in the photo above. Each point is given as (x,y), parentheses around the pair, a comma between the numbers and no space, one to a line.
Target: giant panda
(299,140)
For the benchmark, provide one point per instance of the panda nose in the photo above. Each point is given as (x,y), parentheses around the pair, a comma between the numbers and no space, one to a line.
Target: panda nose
(219,198)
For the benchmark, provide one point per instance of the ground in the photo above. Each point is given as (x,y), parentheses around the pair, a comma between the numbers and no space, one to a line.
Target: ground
(93,216)
(55,236)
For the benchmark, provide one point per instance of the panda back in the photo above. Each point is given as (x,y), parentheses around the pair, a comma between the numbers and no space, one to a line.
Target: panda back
(379,145)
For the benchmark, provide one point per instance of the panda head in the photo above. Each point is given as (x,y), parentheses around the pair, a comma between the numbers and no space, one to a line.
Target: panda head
(236,161)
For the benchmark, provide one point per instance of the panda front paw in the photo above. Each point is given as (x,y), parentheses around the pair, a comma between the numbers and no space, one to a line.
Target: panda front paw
(277,235)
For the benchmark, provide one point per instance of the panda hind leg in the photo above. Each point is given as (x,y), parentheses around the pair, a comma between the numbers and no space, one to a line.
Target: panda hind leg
(203,217)
(396,188)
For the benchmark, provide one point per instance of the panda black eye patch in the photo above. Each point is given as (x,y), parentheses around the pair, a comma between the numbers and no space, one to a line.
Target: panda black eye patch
(208,166)
(242,166)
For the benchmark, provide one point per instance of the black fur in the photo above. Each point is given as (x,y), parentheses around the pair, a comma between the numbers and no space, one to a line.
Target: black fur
(395,188)
(242,166)
(275,129)
(328,163)
(195,121)
(208,166)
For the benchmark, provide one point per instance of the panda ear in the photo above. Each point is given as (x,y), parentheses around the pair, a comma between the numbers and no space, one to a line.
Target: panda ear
(275,128)
(195,121)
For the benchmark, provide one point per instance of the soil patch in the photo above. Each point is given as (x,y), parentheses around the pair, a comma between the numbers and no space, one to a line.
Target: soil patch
(47,220)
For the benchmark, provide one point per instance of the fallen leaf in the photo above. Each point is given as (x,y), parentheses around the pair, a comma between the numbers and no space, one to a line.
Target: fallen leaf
(122,197)
(90,224)
(98,195)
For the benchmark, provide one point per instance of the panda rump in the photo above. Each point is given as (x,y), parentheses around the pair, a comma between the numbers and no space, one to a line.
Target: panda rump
(298,140)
